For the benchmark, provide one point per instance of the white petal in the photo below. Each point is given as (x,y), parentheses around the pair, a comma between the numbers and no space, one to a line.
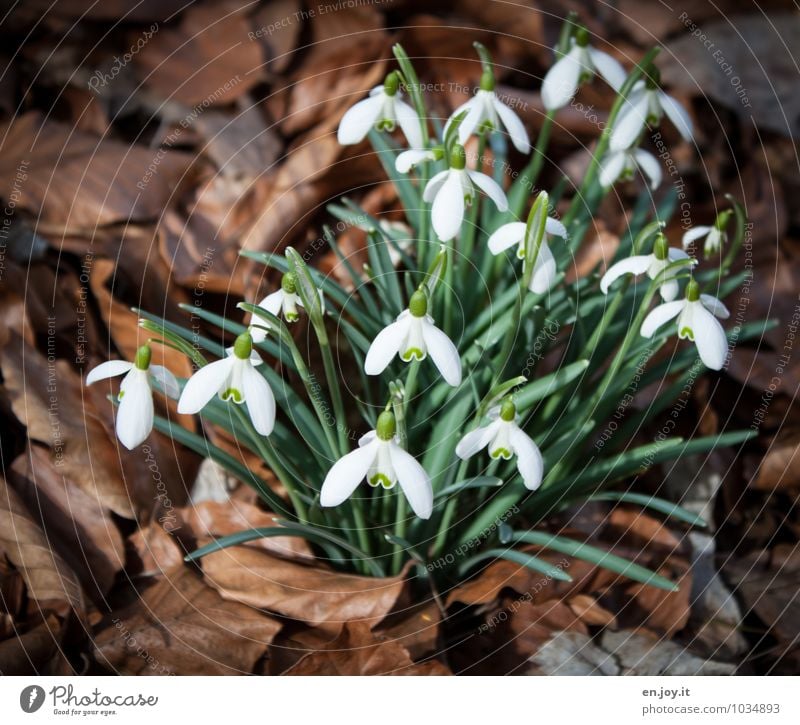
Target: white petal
(359,119)
(433,186)
(630,122)
(443,353)
(385,346)
(677,114)
(108,369)
(674,254)
(409,122)
(204,385)
(649,166)
(166,380)
(713,305)
(366,438)
(638,264)
(513,124)
(135,413)
(347,473)
(463,107)
(413,480)
(529,458)
(259,399)
(612,166)
(659,315)
(669,290)
(412,157)
(476,440)
(561,81)
(474,116)
(554,227)
(709,338)
(491,188)
(447,213)
(507,236)
(693,234)
(544,271)
(608,67)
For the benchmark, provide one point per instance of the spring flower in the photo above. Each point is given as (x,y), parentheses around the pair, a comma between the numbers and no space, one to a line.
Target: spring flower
(646,105)
(406,160)
(504,439)
(285,300)
(486,112)
(452,191)
(696,322)
(653,264)
(380,459)
(135,414)
(383,110)
(544,269)
(233,378)
(413,335)
(578,66)
(622,164)
(715,235)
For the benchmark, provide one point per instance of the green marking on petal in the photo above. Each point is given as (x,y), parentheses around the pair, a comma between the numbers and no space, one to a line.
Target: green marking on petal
(232,394)
(379,479)
(686,332)
(413,353)
(503,453)
(291,316)
(385,124)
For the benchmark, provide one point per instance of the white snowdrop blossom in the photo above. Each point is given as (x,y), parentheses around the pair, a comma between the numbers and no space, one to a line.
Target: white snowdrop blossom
(285,301)
(382,462)
(233,378)
(646,105)
(715,235)
(578,65)
(413,336)
(406,160)
(544,268)
(486,112)
(696,321)
(622,164)
(504,439)
(653,264)
(383,110)
(135,413)
(453,190)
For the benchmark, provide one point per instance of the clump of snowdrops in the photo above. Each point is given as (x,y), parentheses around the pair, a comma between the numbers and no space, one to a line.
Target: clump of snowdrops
(462,390)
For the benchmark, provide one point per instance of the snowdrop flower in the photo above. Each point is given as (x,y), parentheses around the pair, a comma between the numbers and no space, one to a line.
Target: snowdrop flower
(383,110)
(653,264)
(715,235)
(486,112)
(233,378)
(504,439)
(544,269)
(406,160)
(697,322)
(135,414)
(578,66)
(413,335)
(646,105)
(452,191)
(380,459)
(285,300)
(622,164)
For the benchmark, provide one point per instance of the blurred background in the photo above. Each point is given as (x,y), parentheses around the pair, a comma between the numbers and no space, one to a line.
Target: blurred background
(144,144)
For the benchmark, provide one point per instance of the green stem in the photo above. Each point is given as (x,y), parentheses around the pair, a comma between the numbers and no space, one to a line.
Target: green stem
(333,386)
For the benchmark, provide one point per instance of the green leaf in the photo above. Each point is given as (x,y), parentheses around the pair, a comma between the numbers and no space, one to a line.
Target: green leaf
(469,483)
(657,504)
(545,386)
(518,557)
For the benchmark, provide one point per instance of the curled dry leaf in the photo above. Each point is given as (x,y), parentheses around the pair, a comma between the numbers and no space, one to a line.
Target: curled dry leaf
(31,652)
(359,651)
(47,576)
(182,626)
(310,594)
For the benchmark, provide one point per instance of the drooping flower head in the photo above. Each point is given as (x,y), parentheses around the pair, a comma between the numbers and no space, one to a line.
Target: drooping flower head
(697,322)
(381,460)
(285,300)
(453,190)
(413,336)
(715,235)
(654,264)
(621,165)
(505,439)
(135,413)
(235,379)
(383,111)
(577,66)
